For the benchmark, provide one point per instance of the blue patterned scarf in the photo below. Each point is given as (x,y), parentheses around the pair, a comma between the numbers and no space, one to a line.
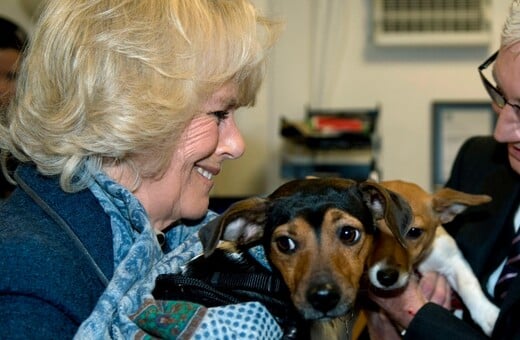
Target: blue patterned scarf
(127,309)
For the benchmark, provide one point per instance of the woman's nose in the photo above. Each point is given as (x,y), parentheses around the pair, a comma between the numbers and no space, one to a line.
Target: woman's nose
(232,143)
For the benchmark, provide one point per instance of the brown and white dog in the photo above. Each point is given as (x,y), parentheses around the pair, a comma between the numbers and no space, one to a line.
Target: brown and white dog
(317,234)
(428,247)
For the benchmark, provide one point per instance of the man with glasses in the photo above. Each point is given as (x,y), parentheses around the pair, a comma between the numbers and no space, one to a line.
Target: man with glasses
(485,234)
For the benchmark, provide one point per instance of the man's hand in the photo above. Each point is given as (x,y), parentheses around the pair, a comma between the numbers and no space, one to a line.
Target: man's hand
(431,287)
(436,289)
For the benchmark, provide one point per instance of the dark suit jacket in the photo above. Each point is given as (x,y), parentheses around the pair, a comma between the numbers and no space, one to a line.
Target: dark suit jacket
(483,234)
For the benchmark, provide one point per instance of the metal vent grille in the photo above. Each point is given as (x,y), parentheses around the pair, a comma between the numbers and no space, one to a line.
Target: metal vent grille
(431,22)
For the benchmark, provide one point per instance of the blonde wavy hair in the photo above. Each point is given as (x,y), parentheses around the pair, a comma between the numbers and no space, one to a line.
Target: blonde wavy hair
(116,81)
(511,29)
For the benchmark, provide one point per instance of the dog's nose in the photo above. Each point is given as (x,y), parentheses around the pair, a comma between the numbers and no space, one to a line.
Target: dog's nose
(387,277)
(323,297)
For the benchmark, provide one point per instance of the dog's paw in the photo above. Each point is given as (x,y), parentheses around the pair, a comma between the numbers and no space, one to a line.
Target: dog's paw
(486,316)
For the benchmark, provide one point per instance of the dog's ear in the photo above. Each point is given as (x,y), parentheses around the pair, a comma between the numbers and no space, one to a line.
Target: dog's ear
(448,203)
(243,222)
(390,207)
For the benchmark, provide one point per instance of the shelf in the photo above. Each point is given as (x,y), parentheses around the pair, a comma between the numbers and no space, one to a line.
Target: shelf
(338,143)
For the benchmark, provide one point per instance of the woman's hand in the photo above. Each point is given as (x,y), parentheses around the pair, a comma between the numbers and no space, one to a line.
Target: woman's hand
(431,287)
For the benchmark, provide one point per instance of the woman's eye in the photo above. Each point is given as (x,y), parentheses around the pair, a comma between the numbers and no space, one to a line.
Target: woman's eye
(349,235)
(221,115)
(286,244)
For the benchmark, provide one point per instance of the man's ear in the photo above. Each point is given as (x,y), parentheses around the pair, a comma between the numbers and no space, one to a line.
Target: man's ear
(243,222)
(388,206)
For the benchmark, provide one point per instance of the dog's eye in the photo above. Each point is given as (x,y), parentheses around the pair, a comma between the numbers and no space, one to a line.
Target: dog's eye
(414,233)
(349,235)
(286,244)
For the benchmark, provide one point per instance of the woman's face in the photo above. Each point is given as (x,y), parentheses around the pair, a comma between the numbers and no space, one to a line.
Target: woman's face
(507,74)
(210,138)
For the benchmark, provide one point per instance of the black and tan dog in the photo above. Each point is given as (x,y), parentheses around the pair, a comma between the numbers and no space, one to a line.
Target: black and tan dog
(316,233)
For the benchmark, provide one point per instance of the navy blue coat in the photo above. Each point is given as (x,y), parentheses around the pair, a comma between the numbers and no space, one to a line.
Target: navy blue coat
(56,258)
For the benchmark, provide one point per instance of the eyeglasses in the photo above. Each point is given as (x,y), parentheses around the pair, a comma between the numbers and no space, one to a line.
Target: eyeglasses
(496,96)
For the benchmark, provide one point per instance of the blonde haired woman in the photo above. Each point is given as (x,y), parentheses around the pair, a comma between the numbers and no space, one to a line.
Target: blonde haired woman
(123,116)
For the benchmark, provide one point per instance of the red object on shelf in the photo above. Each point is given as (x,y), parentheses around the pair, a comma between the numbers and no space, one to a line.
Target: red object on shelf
(338,124)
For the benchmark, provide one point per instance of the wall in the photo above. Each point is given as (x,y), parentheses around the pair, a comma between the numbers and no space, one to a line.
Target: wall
(19,11)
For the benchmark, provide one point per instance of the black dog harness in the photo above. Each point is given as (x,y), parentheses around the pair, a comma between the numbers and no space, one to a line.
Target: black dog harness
(231,288)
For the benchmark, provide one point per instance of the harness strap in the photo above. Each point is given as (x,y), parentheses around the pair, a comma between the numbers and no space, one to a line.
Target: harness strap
(225,288)
(259,282)
(180,287)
